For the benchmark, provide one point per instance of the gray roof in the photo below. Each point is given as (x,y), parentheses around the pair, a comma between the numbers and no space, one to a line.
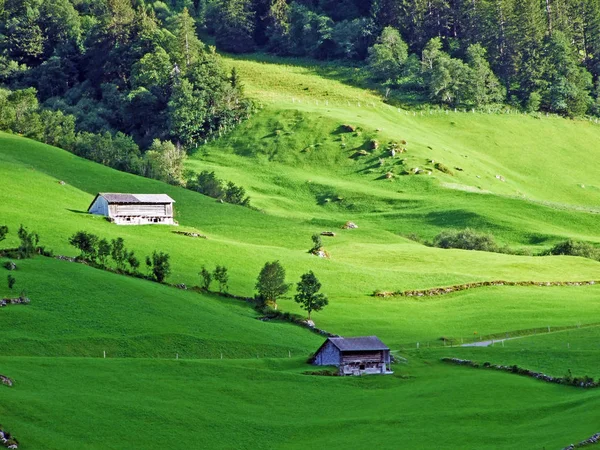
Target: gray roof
(136,198)
(363,343)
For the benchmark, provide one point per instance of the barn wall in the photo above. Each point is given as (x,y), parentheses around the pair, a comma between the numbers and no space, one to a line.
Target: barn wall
(329,355)
(140,209)
(363,356)
(100,206)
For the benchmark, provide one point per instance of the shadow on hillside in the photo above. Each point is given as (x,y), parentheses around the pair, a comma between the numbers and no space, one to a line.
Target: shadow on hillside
(77,211)
(459,218)
(345,72)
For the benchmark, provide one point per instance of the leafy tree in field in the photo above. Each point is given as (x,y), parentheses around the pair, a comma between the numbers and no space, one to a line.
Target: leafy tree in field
(103,251)
(388,55)
(236,195)
(317,243)
(3,232)
(221,276)
(86,243)
(159,266)
(11,281)
(271,283)
(28,242)
(207,183)
(308,295)
(118,253)
(206,278)
(133,262)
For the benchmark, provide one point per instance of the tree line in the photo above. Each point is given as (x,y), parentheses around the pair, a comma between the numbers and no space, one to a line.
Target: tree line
(535,55)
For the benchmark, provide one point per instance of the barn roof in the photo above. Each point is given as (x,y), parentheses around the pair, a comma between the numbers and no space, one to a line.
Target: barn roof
(135,198)
(354,344)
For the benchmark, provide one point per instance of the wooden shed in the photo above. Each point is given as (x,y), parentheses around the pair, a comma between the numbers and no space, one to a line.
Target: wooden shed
(134,209)
(355,355)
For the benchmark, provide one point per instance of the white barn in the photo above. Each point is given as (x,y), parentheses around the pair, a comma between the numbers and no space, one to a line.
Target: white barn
(134,209)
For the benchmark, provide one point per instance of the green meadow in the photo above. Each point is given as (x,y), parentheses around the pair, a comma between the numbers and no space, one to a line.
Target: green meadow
(188,370)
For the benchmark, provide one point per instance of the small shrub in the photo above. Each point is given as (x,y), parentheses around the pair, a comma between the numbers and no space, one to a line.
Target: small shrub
(466,239)
(317,243)
(222,277)
(11,281)
(206,278)
(575,248)
(159,266)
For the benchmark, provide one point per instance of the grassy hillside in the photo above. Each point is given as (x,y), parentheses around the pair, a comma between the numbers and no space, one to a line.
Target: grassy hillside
(302,172)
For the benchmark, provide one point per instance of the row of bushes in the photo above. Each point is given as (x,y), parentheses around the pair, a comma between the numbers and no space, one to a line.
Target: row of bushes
(569,379)
(28,245)
(469,239)
(432,292)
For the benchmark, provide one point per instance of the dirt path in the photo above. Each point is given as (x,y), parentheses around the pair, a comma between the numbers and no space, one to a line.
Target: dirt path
(489,342)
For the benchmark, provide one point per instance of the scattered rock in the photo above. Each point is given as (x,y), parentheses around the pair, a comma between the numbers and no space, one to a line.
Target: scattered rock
(360,153)
(7,440)
(62,183)
(66,258)
(181,286)
(389,175)
(462,287)
(328,233)
(500,177)
(460,169)
(349,226)
(374,144)
(6,381)
(320,253)
(349,128)
(309,323)
(14,301)
(9,265)
(190,234)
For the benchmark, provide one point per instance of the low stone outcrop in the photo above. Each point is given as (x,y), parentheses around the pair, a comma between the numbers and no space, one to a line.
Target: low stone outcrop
(580,382)
(7,440)
(462,287)
(6,381)
(594,439)
(14,301)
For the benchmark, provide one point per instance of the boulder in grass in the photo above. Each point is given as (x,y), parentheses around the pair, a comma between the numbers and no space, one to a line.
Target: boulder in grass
(349,226)
(328,233)
(348,128)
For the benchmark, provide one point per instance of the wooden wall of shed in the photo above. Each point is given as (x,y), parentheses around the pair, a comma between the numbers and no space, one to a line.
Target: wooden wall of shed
(100,206)
(329,355)
(140,209)
(363,356)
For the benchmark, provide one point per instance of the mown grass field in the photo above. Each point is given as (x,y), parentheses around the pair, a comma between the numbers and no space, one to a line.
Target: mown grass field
(296,163)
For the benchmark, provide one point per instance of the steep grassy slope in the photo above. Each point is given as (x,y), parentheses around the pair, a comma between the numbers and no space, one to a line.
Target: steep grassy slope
(111,404)
(362,260)
(298,165)
(80,311)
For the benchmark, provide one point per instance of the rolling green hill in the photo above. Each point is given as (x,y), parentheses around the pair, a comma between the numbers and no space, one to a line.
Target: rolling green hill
(296,161)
